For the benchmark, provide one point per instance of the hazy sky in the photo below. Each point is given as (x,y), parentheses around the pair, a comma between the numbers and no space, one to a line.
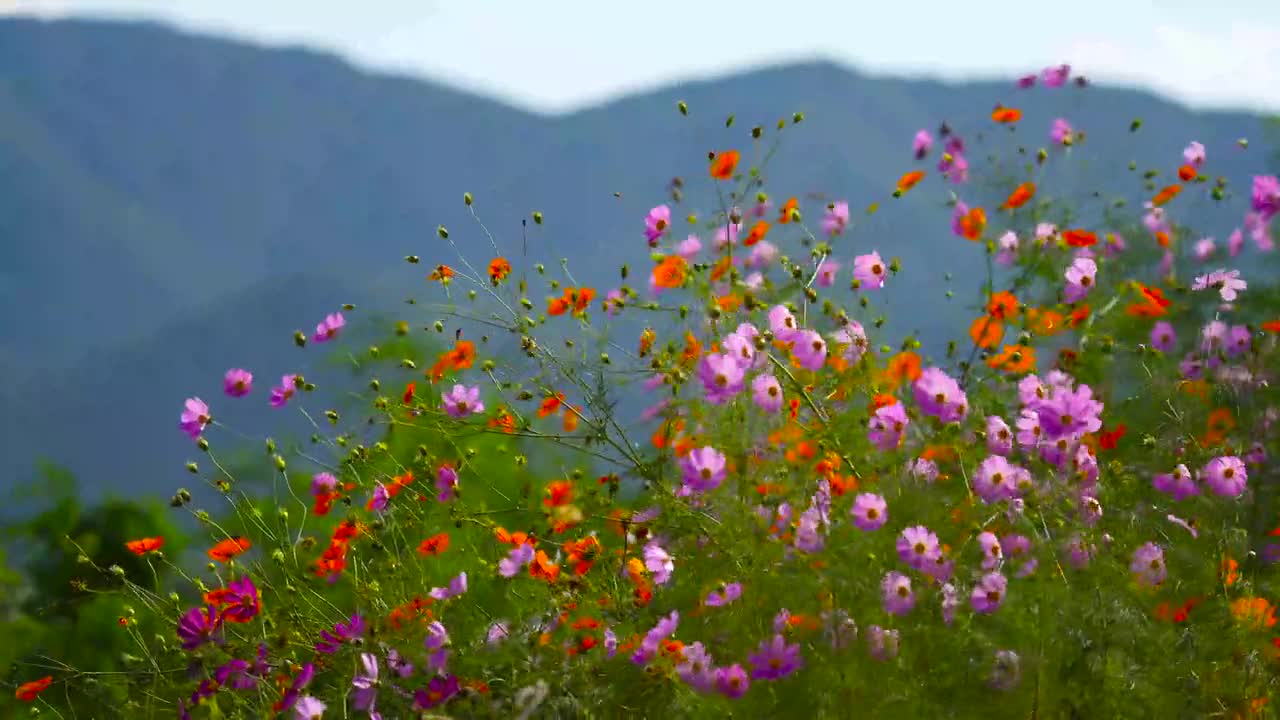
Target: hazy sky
(563,54)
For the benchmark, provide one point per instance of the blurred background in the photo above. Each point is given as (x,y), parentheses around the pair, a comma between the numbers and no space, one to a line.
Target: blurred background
(185,183)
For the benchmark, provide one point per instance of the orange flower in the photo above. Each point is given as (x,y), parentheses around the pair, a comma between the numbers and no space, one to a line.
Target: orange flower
(671,272)
(880,400)
(1016,359)
(784,216)
(1078,316)
(1043,321)
(583,553)
(1080,237)
(758,231)
(503,421)
(647,338)
(1003,305)
(582,298)
(1162,237)
(462,356)
(1229,571)
(442,274)
(723,165)
(1020,196)
(434,545)
(542,569)
(228,549)
(721,268)
(571,417)
(1151,304)
(1166,195)
(973,223)
(513,539)
(144,545)
(1006,115)
(1255,612)
(908,181)
(557,306)
(986,331)
(499,269)
(1187,173)
(559,492)
(550,405)
(729,303)
(903,366)
(28,691)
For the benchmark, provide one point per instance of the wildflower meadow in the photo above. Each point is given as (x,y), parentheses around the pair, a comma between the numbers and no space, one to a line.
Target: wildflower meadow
(732,485)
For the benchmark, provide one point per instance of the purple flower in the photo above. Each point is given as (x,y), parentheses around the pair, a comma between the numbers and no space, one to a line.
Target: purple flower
(782,323)
(869,511)
(1148,564)
(281,393)
(457,586)
(365,696)
(996,479)
(917,546)
(294,691)
(1163,337)
(851,340)
(329,327)
(1070,412)
(515,560)
(882,643)
(810,349)
(658,562)
(741,347)
(722,377)
(435,642)
(1007,244)
(836,219)
(1266,196)
(1226,475)
(438,692)
(446,483)
(1080,279)
(939,395)
(1194,154)
(1226,282)
(656,224)
(243,602)
(868,271)
(380,498)
(648,649)
(991,551)
(767,393)
(923,469)
(322,483)
(1055,76)
(697,668)
(462,401)
(732,681)
(826,276)
(308,708)
(1204,249)
(988,594)
(725,595)
(237,382)
(895,590)
(1026,81)
(1213,336)
(198,626)
(195,416)
(689,247)
(1239,339)
(921,144)
(999,436)
(774,659)
(887,426)
(343,632)
(1060,132)
(703,469)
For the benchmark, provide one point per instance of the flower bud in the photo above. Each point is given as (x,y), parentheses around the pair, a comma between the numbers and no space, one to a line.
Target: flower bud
(280,464)
(683,107)
(537,217)
(299,338)
(443,232)
(202,444)
(193,468)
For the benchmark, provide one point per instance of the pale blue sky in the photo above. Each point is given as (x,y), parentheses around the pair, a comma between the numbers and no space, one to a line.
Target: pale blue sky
(563,54)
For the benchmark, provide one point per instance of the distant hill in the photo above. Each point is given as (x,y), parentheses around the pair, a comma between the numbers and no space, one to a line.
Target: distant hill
(172,205)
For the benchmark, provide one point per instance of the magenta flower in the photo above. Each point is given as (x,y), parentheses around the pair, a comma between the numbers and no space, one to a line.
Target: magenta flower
(329,327)
(869,511)
(656,224)
(1055,76)
(1226,475)
(436,643)
(322,483)
(921,144)
(774,659)
(365,697)
(810,349)
(722,377)
(767,393)
(1163,337)
(1239,340)
(992,555)
(836,219)
(242,601)
(996,479)
(1060,132)
(1266,196)
(439,691)
(939,395)
(197,626)
(697,668)
(868,270)
(381,498)
(895,591)
(1080,279)
(195,417)
(343,632)
(446,483)
(294,691)
(1026,81)
(1070,412)
(958,214)
(732,681)
(1148,564)
(1226,282)
(462,401)
(917,546)
(281,393)
(725,595)
(782,323)
(1235,242)
(703,469)
(237,382)
(988,594)
(887,425)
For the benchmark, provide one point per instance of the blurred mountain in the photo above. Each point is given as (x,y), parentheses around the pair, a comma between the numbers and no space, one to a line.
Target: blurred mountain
(172,205)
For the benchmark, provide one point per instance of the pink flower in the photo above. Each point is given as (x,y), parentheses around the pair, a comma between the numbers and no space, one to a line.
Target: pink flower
(702,469)
(992,555)
(462,401)
(1055,76)
(329,327)
(869,271)
(836,219)
(851,340)
(727,234)
(1235,242)
(1203,249)
(446,483)
(658,562)
(1007,245)
(1178,483)
(887,425)
(689,247)
(767,393)
(996,479)
(195,417)
(1163,337)
(988,594)
(1266,196)
(939,395)
(921,144)
(1148,564)
(1226,282)
(782,323)
(810,349)
(237,382)
(1226,475)
(896,592)
(656,224)
(1060,132)
(918,547)
(1194,154)
(722,377)
(869,511)
(1026,81)
(999,436)
(281,393)
(826,276)
(1080,279)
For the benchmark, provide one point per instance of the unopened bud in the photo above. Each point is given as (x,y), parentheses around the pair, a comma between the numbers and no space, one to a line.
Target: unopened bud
(442,231)
(299,338)
(537,217)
